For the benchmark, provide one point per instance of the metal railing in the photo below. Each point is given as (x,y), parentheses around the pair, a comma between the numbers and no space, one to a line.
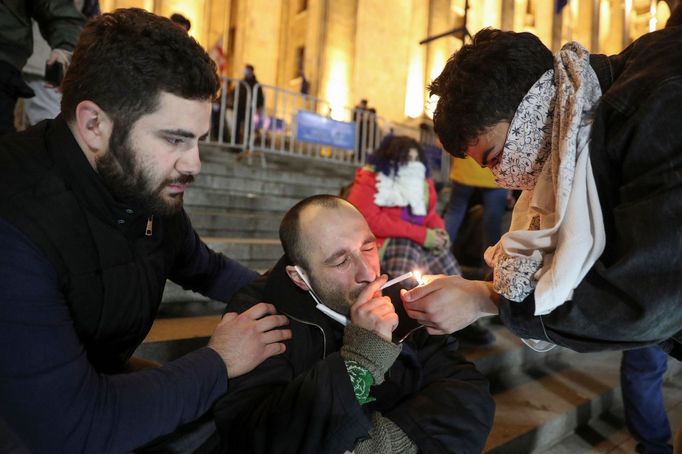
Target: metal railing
(240,123)
(230,115)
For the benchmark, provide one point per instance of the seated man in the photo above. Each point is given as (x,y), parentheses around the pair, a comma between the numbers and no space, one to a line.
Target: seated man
(358,388)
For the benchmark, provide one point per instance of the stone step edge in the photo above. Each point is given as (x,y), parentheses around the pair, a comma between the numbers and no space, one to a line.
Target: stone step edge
(533,416)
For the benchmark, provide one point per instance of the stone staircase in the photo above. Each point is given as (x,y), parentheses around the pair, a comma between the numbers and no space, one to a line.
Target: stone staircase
(236,206)
(556,402)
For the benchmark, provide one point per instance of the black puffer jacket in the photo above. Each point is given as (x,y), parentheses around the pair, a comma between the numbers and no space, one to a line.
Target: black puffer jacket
(632,297)
(303,401)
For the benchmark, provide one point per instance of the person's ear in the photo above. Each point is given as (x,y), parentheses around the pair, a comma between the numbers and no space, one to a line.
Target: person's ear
(93,126)
(295,276)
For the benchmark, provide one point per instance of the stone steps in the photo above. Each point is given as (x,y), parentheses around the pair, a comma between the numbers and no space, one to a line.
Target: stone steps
(237,198)
(220,222)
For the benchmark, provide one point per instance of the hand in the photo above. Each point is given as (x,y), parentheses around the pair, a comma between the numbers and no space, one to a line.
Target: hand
(60,56)
(245,340)
(374,312)
(436,239)
(445,238)
(448,304)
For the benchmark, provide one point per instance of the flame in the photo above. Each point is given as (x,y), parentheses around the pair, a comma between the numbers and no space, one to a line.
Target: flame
(418,277)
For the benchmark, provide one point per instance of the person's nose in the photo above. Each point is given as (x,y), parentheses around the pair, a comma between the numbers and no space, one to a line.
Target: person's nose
(365,270)
(190,162)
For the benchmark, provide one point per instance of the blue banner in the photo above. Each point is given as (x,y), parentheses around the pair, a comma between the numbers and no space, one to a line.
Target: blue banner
(324,131)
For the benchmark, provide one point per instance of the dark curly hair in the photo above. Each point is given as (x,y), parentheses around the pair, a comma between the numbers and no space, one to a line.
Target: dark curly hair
(483,83)
(394,152)
(125,59)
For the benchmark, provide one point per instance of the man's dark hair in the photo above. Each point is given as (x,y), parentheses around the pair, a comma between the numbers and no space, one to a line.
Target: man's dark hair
(125,59)
(290,228)
(675,18)
(394,152)
(483,83)
(181,21)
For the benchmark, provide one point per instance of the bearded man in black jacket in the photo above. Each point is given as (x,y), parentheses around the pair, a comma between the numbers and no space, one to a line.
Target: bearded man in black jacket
(379,384)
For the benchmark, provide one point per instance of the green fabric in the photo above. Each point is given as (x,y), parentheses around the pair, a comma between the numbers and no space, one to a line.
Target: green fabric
(431,240)
(382,249)
(369,350)
(361,380)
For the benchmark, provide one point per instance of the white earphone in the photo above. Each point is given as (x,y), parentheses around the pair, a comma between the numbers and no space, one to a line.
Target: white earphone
(321,307)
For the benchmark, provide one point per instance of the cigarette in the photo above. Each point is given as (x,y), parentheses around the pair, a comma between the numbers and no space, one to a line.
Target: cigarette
(396,280)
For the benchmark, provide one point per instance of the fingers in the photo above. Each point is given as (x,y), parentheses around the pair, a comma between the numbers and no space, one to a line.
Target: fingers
(276,335)
(228,316)
(259,311)
(428,278)
(369,291)
(380,305)
(271,321)
(413,297)
(273,350)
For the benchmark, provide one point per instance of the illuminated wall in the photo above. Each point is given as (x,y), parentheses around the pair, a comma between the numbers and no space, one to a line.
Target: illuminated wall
(415,90)
(337,62)
(207,16)
(353,49)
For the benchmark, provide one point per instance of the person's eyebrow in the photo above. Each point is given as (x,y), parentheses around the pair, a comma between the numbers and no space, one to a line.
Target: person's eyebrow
(183,133)
(179,133)
(335,256)
(369,239)
(484,157)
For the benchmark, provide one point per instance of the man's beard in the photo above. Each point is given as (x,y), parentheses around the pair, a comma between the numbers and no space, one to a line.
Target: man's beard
(334,297)
(132,183)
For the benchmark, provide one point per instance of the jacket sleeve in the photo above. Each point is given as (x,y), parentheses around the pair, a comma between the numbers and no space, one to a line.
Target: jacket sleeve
(199,268)
(433,219)
(441,401)
(59,21)
(382,225)
(273,409)
(632,296)
(53,399)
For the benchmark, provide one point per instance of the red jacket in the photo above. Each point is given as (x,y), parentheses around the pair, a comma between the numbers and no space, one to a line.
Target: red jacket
(386,222)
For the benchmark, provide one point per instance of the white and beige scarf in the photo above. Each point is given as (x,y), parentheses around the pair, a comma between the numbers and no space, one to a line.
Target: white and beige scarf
(406,187)
(557,230)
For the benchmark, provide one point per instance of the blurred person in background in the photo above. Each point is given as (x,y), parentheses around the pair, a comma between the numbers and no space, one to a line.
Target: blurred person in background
(60,24)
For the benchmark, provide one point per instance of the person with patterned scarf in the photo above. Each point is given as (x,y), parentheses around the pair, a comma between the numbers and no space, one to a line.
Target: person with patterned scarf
(591,260)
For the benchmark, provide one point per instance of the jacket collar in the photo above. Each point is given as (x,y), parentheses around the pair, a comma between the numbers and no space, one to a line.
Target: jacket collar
(83,180)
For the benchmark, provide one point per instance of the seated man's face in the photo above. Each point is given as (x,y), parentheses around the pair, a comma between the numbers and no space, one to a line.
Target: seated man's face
(342,254)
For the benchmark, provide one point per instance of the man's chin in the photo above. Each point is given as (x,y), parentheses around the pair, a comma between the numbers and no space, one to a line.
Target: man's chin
(168,204)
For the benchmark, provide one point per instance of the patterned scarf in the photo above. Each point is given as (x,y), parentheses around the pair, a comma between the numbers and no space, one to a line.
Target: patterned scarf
(557,230)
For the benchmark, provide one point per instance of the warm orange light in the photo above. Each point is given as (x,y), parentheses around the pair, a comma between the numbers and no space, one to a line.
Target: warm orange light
(336,90)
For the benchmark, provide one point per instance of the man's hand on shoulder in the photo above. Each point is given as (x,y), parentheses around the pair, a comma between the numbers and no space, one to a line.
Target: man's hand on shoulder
(245,340)
(374,312)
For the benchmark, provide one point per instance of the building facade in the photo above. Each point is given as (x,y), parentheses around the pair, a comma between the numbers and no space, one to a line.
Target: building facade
(352,49)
